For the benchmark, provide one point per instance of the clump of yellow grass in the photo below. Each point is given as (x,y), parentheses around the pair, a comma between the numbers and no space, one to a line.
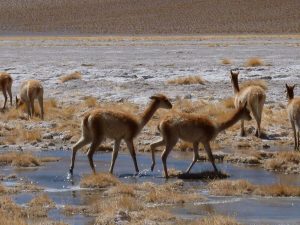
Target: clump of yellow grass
(73,76)
(226,61)
(186,80)
(244,187)
(254,61)
(19,159)
(215,220)
(283,161)
(99,180)
(90,101)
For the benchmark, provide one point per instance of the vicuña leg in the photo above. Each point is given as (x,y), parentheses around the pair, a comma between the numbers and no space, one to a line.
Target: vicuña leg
(5,96)
(10,95)
(95,143)
(196,156)
(132,153)
(295,135)
(210,156)
(82,142)
(169,146)
(40,99)
(114,155)
(153,146)
(243,134)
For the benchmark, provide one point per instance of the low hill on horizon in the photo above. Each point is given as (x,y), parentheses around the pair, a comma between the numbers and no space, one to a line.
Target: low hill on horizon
(146,17)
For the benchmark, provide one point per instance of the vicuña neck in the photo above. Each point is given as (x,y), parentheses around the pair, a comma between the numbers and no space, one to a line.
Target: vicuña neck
(225,124)
(235,84)
(149,112)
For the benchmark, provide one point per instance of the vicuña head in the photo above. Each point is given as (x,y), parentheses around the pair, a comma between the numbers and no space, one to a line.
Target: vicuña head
(290,91)
(293,110)
(104,123)
(29,91)
(254,95)
(195,129)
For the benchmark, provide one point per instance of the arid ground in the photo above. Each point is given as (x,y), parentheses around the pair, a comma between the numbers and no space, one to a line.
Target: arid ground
(82,73)
(140,17)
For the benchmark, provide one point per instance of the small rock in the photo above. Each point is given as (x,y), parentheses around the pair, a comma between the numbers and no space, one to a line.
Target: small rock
(188,96)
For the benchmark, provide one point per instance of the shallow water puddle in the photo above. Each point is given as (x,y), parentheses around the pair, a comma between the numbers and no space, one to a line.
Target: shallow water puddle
(53,177)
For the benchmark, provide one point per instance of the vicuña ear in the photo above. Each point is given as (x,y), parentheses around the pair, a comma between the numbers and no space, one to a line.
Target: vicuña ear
(287,86)
(17,100)
(153,97)
(234,73)
(294,86)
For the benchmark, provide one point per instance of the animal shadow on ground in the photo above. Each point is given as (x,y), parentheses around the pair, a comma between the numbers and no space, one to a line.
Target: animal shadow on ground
(205,175)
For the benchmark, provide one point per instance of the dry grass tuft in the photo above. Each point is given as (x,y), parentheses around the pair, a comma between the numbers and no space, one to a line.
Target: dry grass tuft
(287,161)
(215,220)
(228,103)
(253,62)
(49,159)
(2,189)
(186,80)
(226,61)
(42,200)
(19,159)
(230,187)
(7,219)
(171,193)
(99,180)
(90,102)
(10,208)
(260,83)
(243,187)
(122,189)
(73,76)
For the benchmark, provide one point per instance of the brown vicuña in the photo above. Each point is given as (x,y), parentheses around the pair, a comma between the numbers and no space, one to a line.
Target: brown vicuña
(254,95)
(29,91)
(194,129)
(5,85)
(293,110)
(117,125)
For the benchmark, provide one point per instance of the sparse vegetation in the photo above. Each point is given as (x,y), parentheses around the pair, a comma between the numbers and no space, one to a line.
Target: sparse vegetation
(99,180)
(243,187)
(216,220)
(73,76)
(19,159)
(90,102)
(253,62)
(186,80)
(226,61)
(285,161)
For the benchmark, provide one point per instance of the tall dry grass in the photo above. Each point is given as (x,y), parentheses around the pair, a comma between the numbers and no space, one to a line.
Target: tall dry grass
(99,180)
(285,161)
(254,62)
(186,80)
(19,159)
(244,187)
(226,61)
(72,76)
(216,220)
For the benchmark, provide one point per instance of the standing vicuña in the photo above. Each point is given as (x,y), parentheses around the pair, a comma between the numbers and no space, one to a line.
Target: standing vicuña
(254,95)
(101,123)
(5,85)
(194,129)
(293,109)
(29,91)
